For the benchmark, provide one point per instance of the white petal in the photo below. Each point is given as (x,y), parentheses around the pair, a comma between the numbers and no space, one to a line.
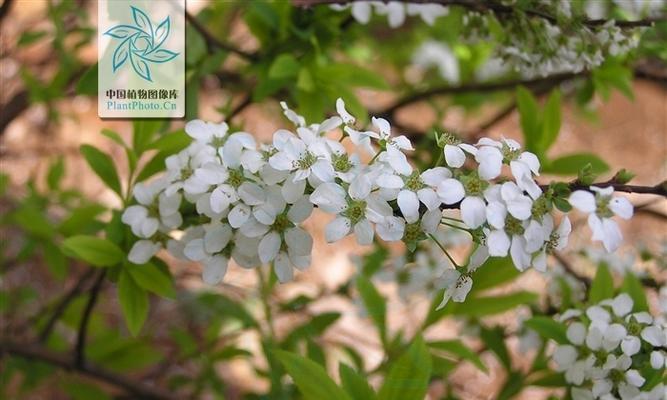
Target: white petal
(462,288)
(382,125)
(565,356)
(239,215)
(391,228)
(630,345)
(216,238)
(299,242)
(360,188)
(194,250)
(398,161)
(498,243)
(621,207)
(653,335)
(634,378)
(622,305)
(337,229)
(251,193)
(454,156)
(432,177)
(495,214)
(429,197)
(293,191)
(612,235)
(364,232)
(451,191)
(576,333)
(283,268)
(269,246)
(348,119)
(214,270)
(657,360)
(300,210)
(408,203)
(142,251)
(473,211)
(583,201)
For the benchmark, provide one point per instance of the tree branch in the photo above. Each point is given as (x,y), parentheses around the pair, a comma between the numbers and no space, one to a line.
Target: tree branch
(213,42)
(79,354)
(500,10)
(534,84)
(42,354)
(62,305)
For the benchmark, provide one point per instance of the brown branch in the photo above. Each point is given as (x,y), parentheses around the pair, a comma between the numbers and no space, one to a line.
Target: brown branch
(240,107)
(500,10)
(213,42)
(659,190)
(79,354)
(533,84)
(39,353)
(61,306)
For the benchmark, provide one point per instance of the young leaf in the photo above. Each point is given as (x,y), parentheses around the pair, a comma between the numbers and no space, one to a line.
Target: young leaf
(284,66)
(56,173)
(490,305)
(311,379)
(572,163)
(374,303)
(409,376)
(548,328)
(151,278)
(457,348)
(103,166)
(602,286)
(93,250)
(133,301)
(143,131)
(495,340)
(354,384)
(633,287)
(551,121)
(529,117)
(512,386)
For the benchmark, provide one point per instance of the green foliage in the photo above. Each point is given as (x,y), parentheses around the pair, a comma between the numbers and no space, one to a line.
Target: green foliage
(355,385)
(408,377)
(375,305)
(602,286)
(311,379)
(133,301)
(153,279)
(548,328)
(95,251)
(103,166)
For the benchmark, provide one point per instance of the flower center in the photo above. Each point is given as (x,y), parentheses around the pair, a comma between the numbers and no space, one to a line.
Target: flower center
(473,185)
(616,376)
(412,232)
(540,208)
(281,223)
(448,138)
(235,178)
(509,153)
(341,163)
(266,154)
(552,243)
(602,207)
(186,172)
(306,161)
(414,182)
(356,210)
(513,226)
(634,328)
(218,141)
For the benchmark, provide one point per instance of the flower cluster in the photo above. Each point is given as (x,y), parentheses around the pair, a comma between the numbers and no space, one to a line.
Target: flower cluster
(226,197)
(395,11)
(612,351)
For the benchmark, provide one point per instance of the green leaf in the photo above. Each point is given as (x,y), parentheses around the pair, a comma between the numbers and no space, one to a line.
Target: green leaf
(151,278)
(56,173)
(634,288)
(572,163)
(93,250)
(457,348)
(549,379)
(494,339)
(352,75)
(477,307)
(143,132)
(80,390)
(103,166)
(133,301)
(375,305)
(311,379)
(81,219)
(30,37)
(153,166)
(493,273)
(113,135)
(602,286)
(548,328)
(354,384)
(551,121)
(87,85)
(171,142)
(284,66)
(54,259)
(512,386)
(409,376)
(529,118)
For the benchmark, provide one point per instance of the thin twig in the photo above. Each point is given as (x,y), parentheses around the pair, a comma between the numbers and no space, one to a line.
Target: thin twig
(213,42)
(39,353)
(79,354)
(500,10)
(61,306)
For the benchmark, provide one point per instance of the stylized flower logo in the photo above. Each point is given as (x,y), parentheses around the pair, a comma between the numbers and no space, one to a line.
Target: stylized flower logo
(141,44)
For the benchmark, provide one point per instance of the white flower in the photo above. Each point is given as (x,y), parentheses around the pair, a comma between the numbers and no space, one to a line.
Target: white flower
(473,207)
(356,208)
(601,207)
(302,158)
(208,133)
(456,285)
(414,189)
(143,219)
(348,119)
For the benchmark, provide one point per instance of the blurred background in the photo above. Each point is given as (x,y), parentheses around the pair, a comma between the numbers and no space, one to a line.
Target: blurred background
(193,344)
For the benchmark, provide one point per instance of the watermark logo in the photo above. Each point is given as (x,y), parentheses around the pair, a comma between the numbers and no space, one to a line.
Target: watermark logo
(141,44)
(141,56)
